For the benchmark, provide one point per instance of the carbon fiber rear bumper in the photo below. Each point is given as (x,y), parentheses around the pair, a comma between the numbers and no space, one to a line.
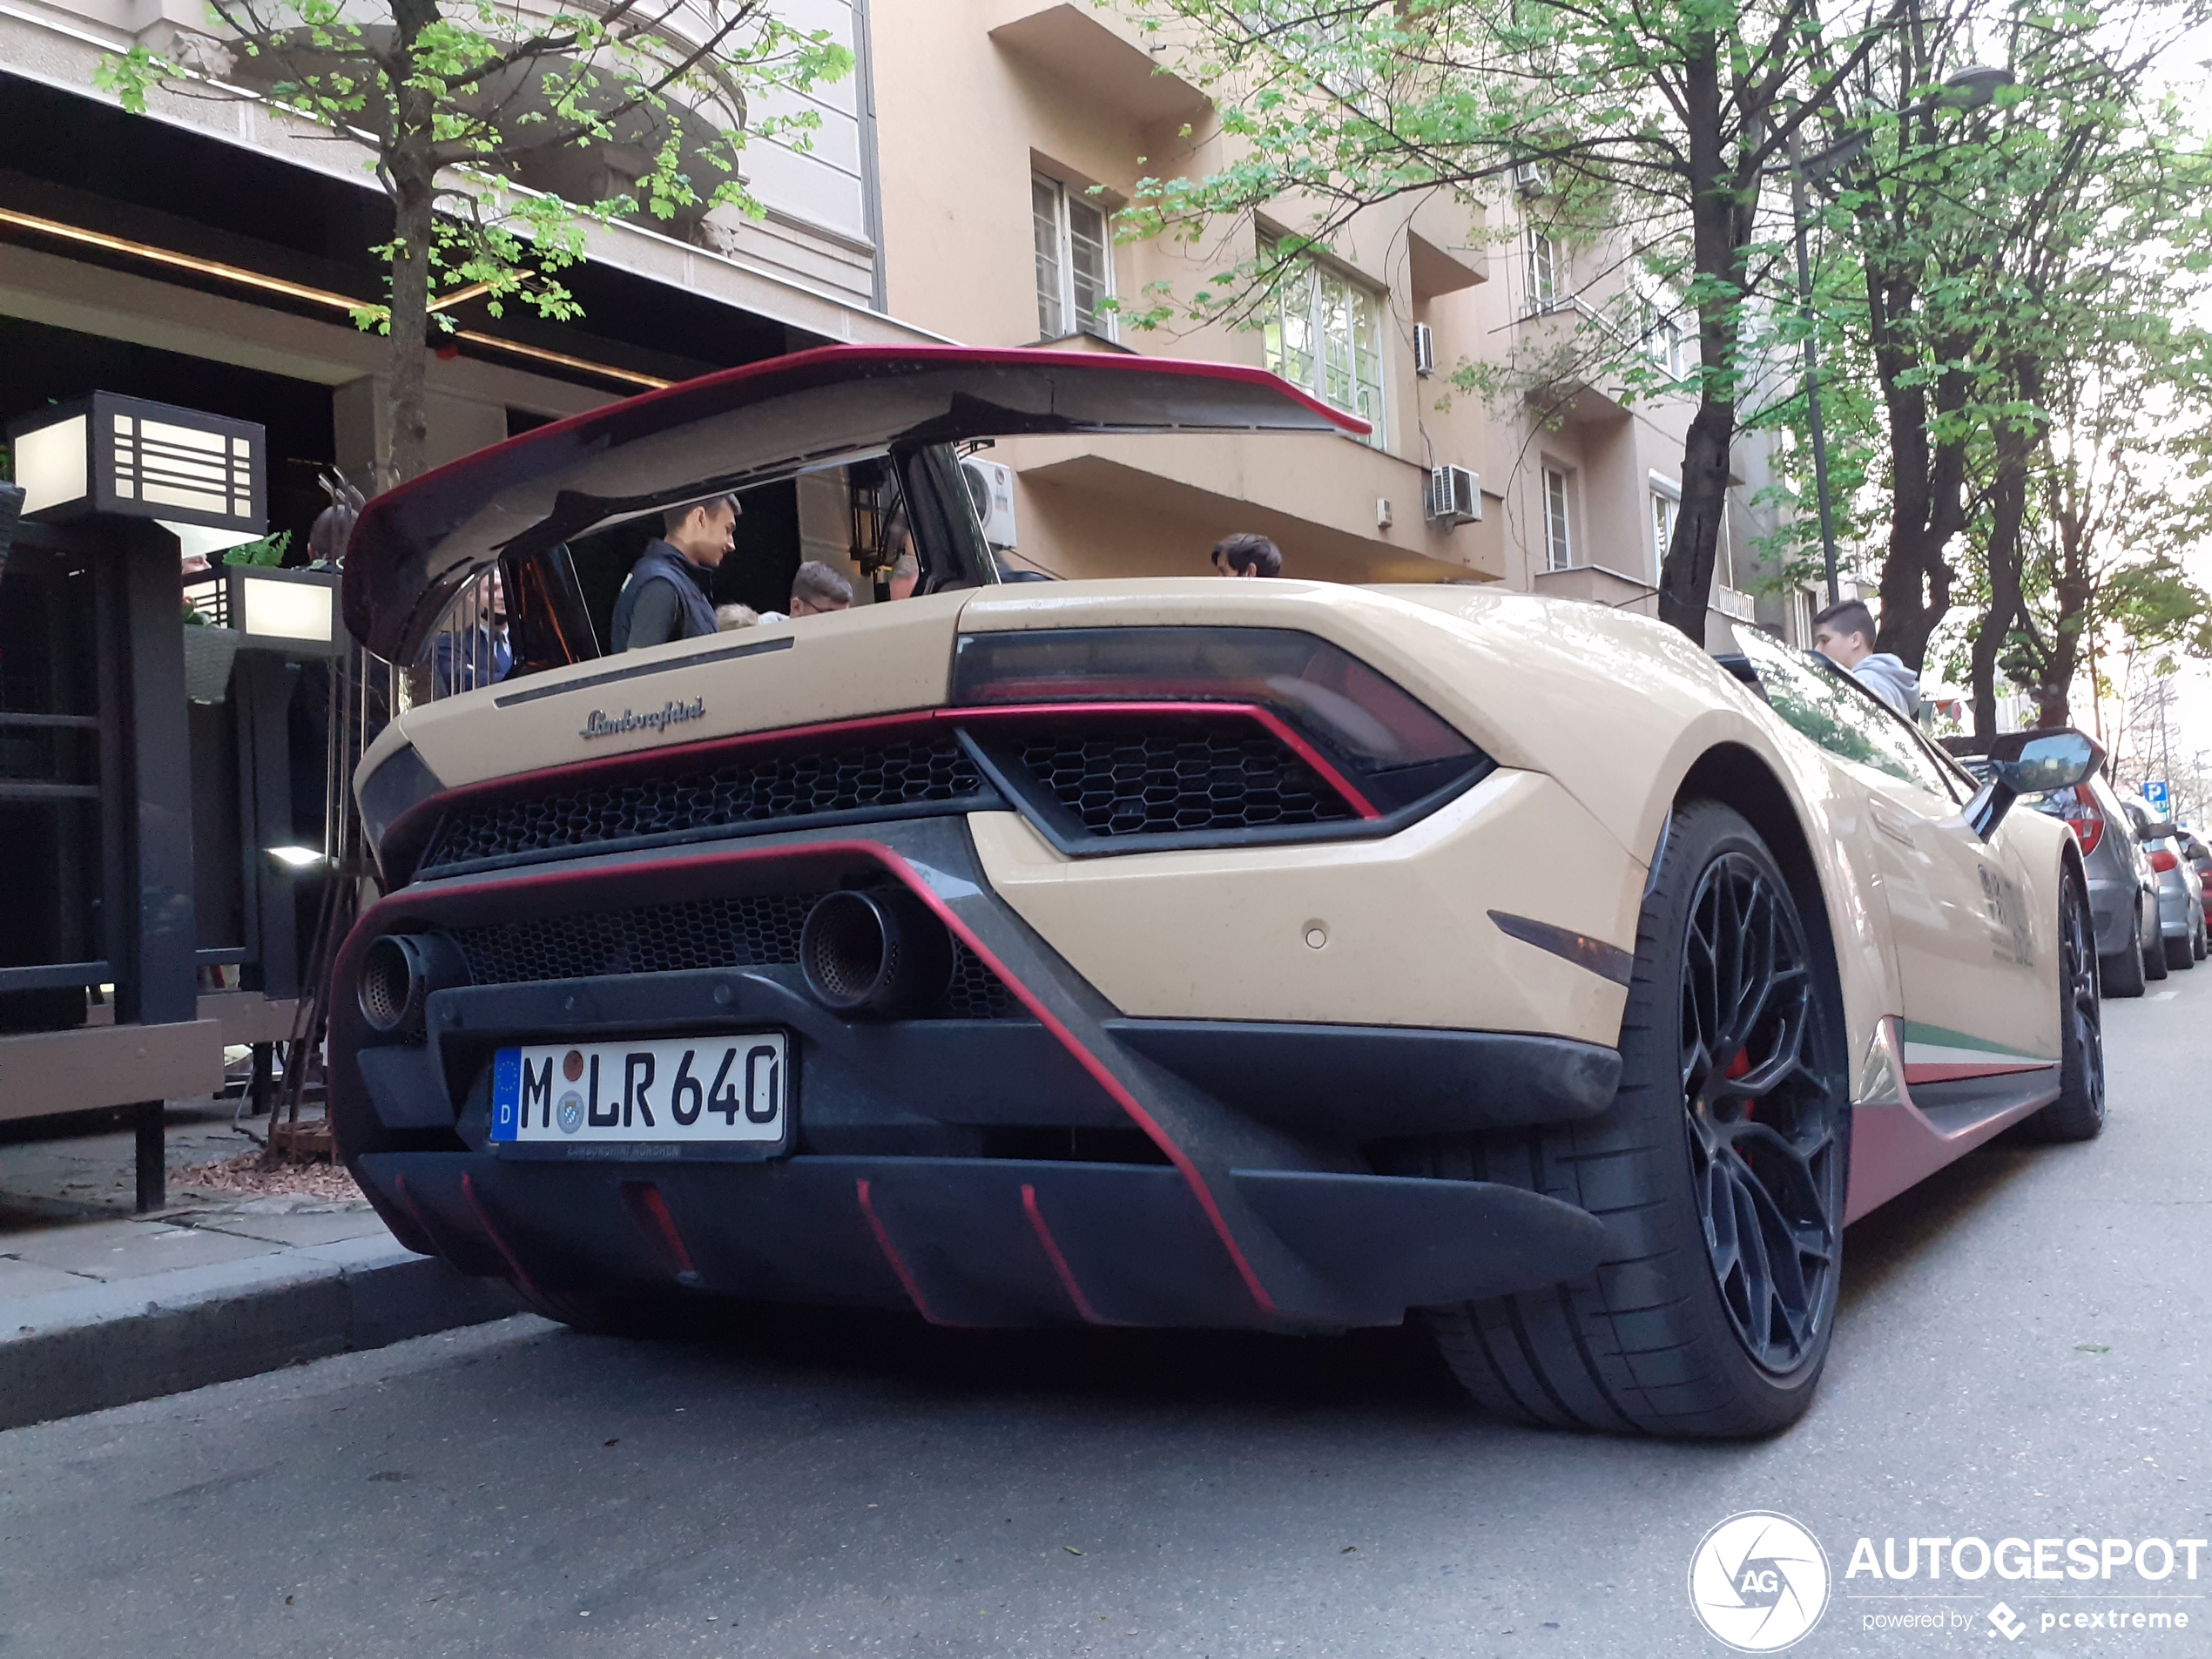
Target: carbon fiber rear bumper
(1058,1164)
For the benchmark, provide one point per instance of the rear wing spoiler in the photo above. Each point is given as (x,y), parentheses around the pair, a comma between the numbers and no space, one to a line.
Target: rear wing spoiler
(417,546)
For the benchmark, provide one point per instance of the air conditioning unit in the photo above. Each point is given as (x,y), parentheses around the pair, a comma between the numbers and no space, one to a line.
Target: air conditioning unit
(990,486)
(1529,178)
(1423,350)
(1454,496)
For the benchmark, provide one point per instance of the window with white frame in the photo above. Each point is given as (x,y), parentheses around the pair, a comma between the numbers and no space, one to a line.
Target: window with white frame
(1801,619)
(1559,532)
(1665,507)
(1544,270)
(1324,332)
(1074,262)
(1666,340)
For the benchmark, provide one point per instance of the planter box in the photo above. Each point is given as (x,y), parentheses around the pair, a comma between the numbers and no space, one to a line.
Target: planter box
(208,653)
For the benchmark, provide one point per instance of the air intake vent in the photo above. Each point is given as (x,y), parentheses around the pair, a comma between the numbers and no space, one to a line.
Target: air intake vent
(749,794)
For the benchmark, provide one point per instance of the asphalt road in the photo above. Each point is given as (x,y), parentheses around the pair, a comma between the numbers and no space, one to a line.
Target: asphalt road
(2023,1351)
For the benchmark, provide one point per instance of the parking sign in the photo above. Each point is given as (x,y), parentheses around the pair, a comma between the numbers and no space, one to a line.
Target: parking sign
(2154,792)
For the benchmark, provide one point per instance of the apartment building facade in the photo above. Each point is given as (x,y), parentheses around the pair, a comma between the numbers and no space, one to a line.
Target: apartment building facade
(1009,133)
(215,229)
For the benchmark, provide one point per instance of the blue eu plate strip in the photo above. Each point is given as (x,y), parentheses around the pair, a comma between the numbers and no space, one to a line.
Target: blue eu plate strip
(506,1092)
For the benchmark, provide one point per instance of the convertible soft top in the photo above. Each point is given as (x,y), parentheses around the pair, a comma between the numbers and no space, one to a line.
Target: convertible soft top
(416,545)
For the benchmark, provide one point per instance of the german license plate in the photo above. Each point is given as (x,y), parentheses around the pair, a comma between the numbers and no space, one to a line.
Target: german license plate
(688,1090)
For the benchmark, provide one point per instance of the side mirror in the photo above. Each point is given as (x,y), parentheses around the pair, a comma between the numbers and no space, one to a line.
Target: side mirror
(2159,832)
(2031,763)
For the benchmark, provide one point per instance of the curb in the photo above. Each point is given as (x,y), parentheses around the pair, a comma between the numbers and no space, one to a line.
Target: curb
(85,1350)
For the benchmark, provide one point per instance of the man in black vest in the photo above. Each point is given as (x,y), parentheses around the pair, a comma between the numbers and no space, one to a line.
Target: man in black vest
(669,595)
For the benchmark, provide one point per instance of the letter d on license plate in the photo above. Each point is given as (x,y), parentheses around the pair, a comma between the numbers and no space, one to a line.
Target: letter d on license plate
(731,1090)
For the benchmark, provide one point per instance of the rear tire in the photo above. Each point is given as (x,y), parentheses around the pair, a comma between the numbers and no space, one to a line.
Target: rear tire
(2154,953)
(1711,1314)
(2078,1112)
(2181,954)
(2123,974)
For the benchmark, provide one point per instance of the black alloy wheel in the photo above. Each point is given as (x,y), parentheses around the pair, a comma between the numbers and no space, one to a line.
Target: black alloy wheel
(1765,1151)
(1719,1171)
(2078,1112)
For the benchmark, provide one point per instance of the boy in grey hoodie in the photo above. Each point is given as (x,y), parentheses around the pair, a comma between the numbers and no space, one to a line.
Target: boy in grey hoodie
(1844,635)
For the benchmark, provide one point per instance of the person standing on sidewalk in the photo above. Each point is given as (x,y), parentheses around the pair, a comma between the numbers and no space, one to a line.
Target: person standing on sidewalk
(1844,635)
(669,591)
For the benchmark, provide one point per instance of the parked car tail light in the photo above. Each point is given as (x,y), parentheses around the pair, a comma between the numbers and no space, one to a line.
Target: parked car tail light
(2088,826)
(2079,808)
(2162,860)
(1393,751)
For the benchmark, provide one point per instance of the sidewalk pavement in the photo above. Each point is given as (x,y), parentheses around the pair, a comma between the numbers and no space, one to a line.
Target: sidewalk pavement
(99,1308)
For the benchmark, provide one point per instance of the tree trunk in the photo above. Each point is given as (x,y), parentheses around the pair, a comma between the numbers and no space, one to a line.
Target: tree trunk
(410,325)
(2008,509)
(410,169)
(1686,578)
(1721,213)
(2073,590)
(1928,478)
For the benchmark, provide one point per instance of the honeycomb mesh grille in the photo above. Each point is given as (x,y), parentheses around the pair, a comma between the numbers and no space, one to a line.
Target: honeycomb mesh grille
(1169,775)
(932,771)
(759,930)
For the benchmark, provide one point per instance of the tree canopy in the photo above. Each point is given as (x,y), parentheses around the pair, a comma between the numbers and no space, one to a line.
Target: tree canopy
(499,134)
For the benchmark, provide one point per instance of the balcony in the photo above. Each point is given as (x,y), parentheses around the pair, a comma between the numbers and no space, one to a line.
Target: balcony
(1117,73)
(1318,493)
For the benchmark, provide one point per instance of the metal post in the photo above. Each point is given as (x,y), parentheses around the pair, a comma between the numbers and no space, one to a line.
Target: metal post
(159,985)
(257,1089)
(157,751)
(1813,366)
(152,1155)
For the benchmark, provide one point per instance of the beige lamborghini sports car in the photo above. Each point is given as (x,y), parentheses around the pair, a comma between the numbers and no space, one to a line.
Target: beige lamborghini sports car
(1269,955)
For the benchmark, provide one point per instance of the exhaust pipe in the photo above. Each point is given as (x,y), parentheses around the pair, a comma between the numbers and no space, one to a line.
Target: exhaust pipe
(398,974)
(883,952)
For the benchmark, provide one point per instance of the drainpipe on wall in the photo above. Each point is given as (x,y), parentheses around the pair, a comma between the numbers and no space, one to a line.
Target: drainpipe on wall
(870,173)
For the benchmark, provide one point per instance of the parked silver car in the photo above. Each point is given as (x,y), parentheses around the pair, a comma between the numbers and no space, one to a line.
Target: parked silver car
(2181,891)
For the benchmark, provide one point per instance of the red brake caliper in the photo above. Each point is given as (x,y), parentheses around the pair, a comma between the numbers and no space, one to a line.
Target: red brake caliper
(1737,1067)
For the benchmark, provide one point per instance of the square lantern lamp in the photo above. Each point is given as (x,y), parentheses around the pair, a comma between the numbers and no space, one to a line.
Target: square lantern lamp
(291,612)
(203,476)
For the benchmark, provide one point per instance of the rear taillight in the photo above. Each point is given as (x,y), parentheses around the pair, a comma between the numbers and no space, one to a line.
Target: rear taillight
(2088,829)
(2162,860)
(1394,754)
